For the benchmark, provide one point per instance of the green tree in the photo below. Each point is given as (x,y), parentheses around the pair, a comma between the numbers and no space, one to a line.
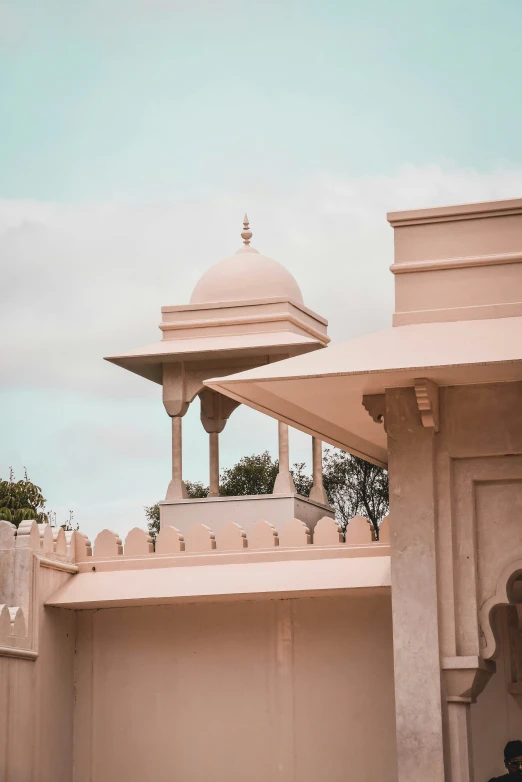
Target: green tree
(302,481)
(21,500)
(355,487)
(254,474)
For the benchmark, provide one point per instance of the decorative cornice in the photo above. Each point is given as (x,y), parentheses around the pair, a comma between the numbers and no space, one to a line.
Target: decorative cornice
(241,303)
(427,393)
(477,312)
(22,654)
(56,564)
(245,321)
(464,262)
(452,213)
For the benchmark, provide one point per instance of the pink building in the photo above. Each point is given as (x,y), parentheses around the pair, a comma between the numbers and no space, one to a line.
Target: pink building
(255,643)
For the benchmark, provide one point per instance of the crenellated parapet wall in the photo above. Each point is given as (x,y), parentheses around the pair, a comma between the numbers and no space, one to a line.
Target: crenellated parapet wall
(23,552)
(13,627)
(38,562)
(226,564)
(231,537)
(37,648)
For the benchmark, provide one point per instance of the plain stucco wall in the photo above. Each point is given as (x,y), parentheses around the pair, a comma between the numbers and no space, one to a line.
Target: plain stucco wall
(247,692)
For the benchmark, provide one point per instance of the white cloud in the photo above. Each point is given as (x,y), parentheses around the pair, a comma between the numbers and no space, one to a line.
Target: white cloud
(82,281)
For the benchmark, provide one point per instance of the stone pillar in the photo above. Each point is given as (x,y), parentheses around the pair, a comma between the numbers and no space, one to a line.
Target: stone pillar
(418,697)
(177,489)
(460,754)
(283,482)
(213,447)
(464,678)
(317,492)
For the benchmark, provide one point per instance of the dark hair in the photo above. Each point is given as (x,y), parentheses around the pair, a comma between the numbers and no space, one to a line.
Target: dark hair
(513,749)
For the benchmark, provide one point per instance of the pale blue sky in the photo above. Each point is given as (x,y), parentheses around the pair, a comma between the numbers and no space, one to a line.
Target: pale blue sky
(133,134)
(119,96)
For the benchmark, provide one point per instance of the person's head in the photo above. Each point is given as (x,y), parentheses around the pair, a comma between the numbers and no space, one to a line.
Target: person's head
(513,757)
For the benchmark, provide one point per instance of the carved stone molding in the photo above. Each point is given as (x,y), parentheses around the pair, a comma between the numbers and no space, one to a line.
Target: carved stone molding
(216,409)
(179,388)
(466,677)
(375,406)
(427,393)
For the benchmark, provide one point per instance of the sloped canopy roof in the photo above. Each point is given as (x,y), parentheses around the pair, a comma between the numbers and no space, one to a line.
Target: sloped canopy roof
(148,361)
(321,393)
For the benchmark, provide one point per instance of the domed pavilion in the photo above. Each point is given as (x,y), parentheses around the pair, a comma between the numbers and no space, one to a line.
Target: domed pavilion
(246,311)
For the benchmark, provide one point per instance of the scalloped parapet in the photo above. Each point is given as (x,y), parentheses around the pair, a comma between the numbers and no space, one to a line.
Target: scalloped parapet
(200,539)
(263,535)
(295,533)
(18,626)
(358,532)
(169,541)
(232,537)
(79,546)
(28,535)
(59,542)
(138,542)
(327,532)
(46,539)
(7,535)
(107,544)
(384,530)
(12,624)
(5,622)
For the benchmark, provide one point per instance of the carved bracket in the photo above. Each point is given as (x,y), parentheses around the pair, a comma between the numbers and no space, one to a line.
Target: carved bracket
(427,393)
(216,409)
(375,405)
(183,381)
(179,388)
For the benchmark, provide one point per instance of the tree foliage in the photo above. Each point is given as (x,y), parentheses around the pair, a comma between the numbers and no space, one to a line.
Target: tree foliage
(302,482)
(353,486)
(254,474)
(21,500)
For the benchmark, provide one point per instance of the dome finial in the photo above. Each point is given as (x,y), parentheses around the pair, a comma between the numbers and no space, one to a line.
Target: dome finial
(246,233)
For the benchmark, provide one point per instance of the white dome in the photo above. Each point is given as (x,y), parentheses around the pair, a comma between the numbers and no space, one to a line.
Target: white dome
(246,275)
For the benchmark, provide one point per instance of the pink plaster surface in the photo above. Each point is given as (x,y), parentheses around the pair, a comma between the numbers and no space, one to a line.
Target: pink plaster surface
(454,353)
(452,346)
(245,275)
(272,690)
(237,581)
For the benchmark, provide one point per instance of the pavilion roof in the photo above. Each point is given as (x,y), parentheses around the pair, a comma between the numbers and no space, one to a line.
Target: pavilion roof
(148,360)
(321,393)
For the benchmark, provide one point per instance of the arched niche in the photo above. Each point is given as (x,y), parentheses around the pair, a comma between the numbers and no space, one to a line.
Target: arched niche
(508,592)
